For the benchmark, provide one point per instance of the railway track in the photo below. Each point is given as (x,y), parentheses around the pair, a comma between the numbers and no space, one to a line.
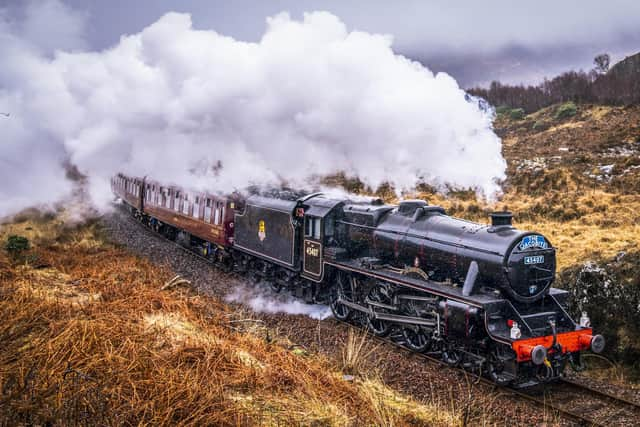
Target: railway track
(571,400)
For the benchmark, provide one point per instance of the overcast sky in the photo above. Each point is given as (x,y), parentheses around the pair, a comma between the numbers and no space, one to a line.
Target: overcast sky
(475,41)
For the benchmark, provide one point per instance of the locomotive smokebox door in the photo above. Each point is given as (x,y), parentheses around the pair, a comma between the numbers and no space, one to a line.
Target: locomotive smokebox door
(312,255)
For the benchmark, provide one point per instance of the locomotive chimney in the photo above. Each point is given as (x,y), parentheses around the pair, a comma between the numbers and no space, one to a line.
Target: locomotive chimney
(499,219)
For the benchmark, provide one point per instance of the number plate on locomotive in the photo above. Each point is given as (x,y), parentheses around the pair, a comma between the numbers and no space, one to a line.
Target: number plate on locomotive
(538,259)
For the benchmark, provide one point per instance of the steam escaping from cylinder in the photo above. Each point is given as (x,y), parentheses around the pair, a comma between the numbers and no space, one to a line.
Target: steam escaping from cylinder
(199,109)
(262,300)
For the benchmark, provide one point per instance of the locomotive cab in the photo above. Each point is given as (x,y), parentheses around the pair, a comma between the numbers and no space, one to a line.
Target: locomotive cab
(319,217)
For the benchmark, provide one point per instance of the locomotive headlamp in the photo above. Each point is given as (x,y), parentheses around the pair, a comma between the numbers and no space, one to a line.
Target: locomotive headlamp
(515,332)
(538,354)
(585,322)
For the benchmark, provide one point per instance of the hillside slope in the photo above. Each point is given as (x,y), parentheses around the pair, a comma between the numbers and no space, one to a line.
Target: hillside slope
(94,336)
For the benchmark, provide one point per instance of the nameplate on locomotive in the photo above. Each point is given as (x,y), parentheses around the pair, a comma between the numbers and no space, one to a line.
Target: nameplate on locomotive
(533,241)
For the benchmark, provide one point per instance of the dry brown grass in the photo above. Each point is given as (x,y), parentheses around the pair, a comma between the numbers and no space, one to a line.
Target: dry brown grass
(356,351)
(92,339)
(583,225)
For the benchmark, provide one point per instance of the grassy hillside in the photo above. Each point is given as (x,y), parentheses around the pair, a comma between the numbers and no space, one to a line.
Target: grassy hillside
(575,179)
(92,336)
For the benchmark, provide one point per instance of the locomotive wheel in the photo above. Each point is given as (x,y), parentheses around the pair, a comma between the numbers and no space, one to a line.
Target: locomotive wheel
(223,262)
(451,356)
(275,286)
(380,328)
(341,290)
(495,369)
(416,338)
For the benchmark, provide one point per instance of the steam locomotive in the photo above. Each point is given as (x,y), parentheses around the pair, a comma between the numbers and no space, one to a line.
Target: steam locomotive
(478,296)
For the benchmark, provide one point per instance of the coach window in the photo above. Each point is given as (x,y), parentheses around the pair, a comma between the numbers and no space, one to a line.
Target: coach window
(185,204)
(196,208)
(176,202)
(216,218)
(207,211)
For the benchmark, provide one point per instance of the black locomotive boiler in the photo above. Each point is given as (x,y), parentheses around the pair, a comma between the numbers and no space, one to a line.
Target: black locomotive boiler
(478,295)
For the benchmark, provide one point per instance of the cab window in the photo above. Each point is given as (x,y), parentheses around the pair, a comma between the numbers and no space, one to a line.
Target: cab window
(312,228)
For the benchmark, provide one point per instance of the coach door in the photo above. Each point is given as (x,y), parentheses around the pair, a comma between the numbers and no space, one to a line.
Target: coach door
(312,255)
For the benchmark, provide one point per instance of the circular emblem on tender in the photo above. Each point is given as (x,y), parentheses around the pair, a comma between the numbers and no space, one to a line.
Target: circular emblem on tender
(262,234)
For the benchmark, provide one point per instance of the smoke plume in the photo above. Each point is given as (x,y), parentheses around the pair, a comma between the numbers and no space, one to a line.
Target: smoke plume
(203,110)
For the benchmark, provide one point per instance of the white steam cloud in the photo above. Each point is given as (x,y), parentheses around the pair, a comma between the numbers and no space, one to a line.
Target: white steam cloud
(262,300)
(309,99)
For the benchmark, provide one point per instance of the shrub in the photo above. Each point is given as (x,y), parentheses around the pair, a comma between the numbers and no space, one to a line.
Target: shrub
(540,125)
(516,114)
(16,246)
(568,109)
(503,109)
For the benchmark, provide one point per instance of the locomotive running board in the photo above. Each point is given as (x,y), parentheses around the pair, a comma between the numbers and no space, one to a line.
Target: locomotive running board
(394,318)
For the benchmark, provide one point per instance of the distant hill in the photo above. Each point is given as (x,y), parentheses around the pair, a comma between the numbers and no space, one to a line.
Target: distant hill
(619,86)
(628,67)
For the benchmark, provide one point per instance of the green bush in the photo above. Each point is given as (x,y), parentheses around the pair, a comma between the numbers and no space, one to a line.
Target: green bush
(16,246)
(516,114)
(540,125)
(503,109)
(568,109)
